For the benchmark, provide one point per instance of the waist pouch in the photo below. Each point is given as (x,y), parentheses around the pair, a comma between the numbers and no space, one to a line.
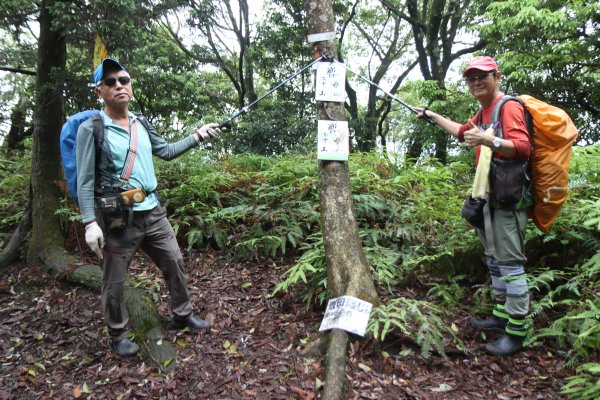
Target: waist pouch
(509,184)
(116,209)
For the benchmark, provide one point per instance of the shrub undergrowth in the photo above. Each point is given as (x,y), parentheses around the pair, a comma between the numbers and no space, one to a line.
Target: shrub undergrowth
(408,218)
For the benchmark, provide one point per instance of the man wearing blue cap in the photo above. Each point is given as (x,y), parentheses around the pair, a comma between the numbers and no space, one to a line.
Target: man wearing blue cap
(120,206)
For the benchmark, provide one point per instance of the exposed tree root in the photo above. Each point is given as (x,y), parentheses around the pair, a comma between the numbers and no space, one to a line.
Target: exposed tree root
(11,252)
(143,317)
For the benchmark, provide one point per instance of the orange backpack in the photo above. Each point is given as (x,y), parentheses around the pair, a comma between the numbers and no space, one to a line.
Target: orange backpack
(553,135)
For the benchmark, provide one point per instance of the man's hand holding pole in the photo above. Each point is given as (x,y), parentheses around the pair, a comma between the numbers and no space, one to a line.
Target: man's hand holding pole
(208,132)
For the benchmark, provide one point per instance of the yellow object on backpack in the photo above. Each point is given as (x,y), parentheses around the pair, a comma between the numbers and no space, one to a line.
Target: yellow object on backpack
(553,136)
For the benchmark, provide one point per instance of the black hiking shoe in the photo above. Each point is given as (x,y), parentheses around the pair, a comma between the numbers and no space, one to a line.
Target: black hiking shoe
(124,347)
(491,323)
(506,346)
(188,322)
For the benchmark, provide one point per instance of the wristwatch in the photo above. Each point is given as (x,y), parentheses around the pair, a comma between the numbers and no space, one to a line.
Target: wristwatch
(496,144)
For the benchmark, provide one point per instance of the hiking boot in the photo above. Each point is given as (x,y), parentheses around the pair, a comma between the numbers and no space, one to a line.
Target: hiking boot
(124,347)
(506,346)
(492,323)
(188,322)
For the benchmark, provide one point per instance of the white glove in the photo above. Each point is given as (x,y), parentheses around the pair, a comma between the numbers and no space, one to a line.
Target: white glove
(94,238)
(207,132)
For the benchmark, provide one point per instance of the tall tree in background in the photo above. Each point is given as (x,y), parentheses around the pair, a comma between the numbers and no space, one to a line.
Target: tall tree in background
(46,245)
(387,44)
(348,271)
(18,60)
(436,28)
(18,125)
(283,121)
(222,34)
(220,24)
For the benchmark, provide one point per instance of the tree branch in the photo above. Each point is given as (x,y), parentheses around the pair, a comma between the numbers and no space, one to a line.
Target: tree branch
(18,71)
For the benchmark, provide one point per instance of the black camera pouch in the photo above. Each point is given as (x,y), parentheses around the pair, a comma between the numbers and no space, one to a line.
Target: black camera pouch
(113,215)
(472,211)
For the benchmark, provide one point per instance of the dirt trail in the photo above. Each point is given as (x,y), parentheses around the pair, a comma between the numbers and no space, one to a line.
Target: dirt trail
(53,345)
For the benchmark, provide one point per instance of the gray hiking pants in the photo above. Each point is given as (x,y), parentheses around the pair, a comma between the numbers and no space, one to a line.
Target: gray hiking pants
(506,263)
(152,232)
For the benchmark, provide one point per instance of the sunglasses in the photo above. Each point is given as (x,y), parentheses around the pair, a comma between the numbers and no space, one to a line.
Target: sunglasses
(475,78)
(110,82)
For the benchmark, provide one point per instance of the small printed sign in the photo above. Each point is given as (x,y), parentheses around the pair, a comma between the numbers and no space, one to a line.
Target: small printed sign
(320,37)
(330,82)
(348,313)
(333,140)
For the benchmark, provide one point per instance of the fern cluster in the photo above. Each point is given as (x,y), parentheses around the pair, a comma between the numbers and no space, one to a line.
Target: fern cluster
(15,169)
(409,222)
(248,205)
(586,384)
(420,320)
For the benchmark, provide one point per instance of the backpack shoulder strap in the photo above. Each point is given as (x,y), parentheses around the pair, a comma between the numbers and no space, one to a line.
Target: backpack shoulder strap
(496,119)
(143,121)
(104,161)
(98,130)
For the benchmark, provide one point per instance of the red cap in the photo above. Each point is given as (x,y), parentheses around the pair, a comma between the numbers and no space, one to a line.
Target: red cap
(482,63)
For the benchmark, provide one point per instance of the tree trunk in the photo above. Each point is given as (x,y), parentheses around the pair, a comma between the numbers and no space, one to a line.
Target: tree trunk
(46,243)
(348,272)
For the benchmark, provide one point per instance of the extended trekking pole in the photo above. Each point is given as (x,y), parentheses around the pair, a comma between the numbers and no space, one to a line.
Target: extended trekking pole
(427,119)
(245,109)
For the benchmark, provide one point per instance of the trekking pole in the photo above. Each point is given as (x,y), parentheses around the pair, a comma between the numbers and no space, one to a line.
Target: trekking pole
(245,109)
(427,119)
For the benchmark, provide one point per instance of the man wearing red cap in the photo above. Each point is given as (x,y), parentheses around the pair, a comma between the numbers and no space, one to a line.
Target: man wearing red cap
(504,250)
(122,163)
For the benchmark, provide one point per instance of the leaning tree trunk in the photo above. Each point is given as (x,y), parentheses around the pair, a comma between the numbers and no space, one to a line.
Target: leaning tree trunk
(348,272)
(41,225)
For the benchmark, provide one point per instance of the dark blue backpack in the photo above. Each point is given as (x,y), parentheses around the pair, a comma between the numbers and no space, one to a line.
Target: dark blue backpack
(68,140)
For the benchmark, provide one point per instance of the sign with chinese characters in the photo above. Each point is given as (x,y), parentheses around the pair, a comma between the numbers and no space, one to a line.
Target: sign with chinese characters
(330,82)
(348,313)
(333,140)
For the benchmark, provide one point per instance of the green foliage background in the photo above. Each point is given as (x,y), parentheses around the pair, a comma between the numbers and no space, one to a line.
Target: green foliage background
(257,207)
(250,195)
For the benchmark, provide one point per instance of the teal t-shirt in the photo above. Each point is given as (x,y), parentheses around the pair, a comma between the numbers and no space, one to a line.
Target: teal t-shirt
(142,173)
